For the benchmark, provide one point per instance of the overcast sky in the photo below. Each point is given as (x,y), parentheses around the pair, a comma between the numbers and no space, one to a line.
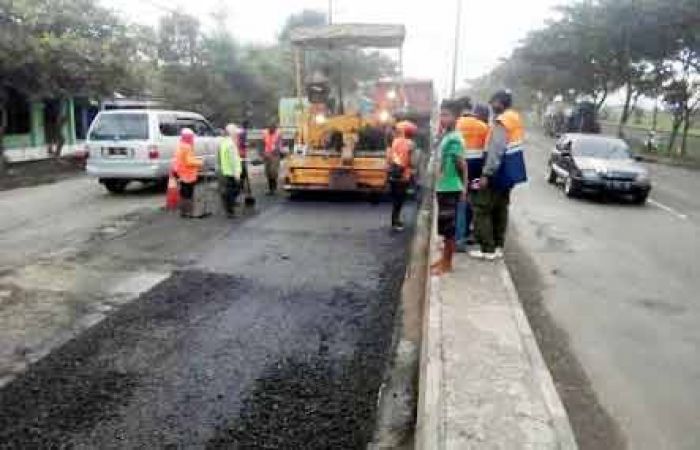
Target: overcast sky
(490,29)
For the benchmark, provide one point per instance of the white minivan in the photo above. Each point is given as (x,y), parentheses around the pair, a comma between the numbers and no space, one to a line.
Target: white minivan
(138,145)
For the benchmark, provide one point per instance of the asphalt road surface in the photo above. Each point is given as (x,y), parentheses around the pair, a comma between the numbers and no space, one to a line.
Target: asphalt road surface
(268,331)
(622,282)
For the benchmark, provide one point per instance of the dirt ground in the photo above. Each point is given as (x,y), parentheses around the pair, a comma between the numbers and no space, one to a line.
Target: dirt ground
(44,171)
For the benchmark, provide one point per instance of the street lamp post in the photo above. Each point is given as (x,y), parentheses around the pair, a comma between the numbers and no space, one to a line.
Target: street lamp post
(458,26)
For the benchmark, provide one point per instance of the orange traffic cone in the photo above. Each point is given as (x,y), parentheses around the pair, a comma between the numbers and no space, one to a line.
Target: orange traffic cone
(172,196)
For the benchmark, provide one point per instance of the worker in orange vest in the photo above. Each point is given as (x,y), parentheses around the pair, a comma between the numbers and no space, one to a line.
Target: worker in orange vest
(504,168)
(272,152)
(474,129)
(186,168)
(399,168)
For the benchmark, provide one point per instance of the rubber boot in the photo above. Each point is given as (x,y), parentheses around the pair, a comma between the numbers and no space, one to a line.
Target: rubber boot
(444,264)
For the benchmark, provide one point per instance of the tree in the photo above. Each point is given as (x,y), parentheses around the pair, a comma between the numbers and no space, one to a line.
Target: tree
(61,48)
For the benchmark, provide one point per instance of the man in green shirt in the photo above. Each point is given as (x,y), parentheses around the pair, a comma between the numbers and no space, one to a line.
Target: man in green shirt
(230,166)
(451,184)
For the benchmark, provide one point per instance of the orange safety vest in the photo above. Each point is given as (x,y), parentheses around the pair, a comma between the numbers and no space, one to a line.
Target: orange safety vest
(185,164)
(271,141)
(515,131)
(400,153)
(473,131)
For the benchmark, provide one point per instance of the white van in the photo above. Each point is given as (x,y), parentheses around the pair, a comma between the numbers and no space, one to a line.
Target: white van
(138,145)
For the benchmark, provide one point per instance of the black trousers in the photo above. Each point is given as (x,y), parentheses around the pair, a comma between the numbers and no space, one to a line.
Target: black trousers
(186,190)
(230,193)
(398,198)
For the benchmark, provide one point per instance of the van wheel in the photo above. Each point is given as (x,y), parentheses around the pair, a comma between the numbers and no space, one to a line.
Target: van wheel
(116,186)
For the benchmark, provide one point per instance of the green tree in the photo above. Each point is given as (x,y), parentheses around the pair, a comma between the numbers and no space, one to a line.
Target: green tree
(61,48)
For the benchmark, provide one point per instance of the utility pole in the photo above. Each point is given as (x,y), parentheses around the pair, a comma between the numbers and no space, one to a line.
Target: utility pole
(458,28)
(330,12)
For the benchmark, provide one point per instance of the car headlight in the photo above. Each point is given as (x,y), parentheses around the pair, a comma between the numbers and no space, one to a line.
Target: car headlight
(590,174)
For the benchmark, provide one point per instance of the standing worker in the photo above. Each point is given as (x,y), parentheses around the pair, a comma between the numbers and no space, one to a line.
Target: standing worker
(503,169)
(399,164)
(474,128)
(452,182)
(186,167)
(272,152)
(229,163)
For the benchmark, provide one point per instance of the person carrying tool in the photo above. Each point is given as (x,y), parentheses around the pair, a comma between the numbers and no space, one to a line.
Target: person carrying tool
(230,168)
(503,169)
(452,182)
(272,152)
(473,126)
(399,167)
(186,167)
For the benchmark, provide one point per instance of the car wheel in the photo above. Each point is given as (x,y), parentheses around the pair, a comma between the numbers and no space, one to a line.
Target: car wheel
(640,199)
(116,186)
(570,188)
(550,174)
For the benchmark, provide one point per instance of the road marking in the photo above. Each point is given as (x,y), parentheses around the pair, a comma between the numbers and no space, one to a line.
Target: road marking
(668,209)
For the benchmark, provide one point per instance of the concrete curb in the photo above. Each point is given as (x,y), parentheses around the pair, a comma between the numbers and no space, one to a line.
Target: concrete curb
(560,418)
(431,414)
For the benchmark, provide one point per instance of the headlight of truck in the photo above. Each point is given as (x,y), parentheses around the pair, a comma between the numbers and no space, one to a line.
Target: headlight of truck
(590,174)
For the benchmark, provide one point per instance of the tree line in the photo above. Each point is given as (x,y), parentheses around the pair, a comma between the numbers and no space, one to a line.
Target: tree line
(64,48)
(594,48)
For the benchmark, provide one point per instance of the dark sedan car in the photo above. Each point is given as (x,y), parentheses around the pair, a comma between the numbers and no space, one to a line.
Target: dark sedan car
(589,164)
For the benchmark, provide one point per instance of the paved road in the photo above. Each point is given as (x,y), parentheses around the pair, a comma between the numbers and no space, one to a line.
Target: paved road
(270,331)
(623,282)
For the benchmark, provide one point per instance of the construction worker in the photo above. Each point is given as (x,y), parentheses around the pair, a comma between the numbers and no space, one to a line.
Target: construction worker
(504,168)
(473,126)
(452,182)
(399,166)
(230,168)
(186,168)
(272,152)
(243,150)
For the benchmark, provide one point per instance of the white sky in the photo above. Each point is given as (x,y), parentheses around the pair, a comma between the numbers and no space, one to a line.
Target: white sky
(490,29)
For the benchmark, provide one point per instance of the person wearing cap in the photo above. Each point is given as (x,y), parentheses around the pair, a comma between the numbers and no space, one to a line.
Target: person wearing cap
(504,168)
(399,165)
(186,168)
(451,184)
(473,126)
(230,168)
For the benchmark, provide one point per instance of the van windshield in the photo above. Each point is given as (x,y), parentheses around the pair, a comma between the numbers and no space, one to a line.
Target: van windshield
(120,127)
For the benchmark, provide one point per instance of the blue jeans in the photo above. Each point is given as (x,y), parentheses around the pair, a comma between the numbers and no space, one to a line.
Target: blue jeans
(465,215)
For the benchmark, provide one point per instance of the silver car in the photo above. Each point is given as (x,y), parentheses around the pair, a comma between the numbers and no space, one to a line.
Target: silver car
(138,145)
